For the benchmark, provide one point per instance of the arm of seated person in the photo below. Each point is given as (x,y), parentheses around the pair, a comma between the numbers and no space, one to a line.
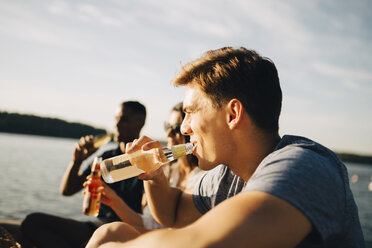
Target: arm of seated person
(169,206)
(250,219)
(72,180)
(125,213)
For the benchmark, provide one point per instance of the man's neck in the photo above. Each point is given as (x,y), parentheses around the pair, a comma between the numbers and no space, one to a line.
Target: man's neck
(122,147)
(251,151)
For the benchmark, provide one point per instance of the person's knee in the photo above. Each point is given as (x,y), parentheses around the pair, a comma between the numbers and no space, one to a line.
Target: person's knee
(31,221)
(116,231)
(108,230)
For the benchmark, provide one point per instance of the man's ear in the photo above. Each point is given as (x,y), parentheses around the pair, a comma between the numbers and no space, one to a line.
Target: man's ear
(234,113)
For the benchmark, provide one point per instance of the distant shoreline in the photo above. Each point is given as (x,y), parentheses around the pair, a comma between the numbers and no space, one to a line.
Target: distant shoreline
(345,157)
(44,126)
(53,127)
(355,158)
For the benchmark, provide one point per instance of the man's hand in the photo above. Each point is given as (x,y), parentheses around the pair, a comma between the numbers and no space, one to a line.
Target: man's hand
(145,143)
(84,148)
(108,195)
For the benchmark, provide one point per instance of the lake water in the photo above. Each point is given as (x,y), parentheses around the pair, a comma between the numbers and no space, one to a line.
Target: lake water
(32,168)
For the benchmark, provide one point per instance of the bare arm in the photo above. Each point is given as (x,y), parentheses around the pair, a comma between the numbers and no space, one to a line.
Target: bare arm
(170,206)
(125,213)
(73,180)
(250,219)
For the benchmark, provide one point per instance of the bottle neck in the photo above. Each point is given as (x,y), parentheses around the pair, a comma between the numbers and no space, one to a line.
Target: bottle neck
(96,173)
(177,151)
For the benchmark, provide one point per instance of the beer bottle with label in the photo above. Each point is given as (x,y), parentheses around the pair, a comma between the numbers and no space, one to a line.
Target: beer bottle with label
(91,202)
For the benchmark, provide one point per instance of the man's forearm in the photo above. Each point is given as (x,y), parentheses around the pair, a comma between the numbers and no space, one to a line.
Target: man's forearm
(126,214)
(71,181)
(165,238)
(162,199)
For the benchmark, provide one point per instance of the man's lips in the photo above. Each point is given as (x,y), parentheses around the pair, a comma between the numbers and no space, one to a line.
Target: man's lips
(194,148)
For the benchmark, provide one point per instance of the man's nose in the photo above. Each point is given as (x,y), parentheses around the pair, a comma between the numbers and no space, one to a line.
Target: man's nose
(185,127)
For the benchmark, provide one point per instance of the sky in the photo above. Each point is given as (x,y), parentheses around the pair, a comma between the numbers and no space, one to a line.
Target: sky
(78,60)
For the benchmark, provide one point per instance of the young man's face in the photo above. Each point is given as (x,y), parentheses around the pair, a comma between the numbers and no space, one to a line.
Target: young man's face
(206,126)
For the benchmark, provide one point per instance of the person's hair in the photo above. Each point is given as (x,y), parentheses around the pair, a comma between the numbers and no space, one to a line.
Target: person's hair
(179,108)
(191,158)
(229,73)
(137,107)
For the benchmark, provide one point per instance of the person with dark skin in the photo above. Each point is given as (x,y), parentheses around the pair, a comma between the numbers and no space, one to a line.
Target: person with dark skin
(45,230)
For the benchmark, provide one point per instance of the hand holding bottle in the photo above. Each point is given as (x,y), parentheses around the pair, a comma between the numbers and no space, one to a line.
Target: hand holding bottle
(144,157)
(84,148)
(144,143)
(91,201)
(108,195)
(89,144)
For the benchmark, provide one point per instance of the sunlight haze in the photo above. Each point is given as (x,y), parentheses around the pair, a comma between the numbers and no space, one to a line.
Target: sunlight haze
(78,60)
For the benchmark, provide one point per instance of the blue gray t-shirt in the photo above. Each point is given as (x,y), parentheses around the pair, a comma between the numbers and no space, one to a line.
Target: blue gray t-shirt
(307,175)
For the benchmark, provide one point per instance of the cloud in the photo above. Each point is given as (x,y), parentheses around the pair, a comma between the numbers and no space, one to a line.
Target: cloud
(25,23)
(59,7)
(204,18)
(90,13)
(351,78)
(278,19)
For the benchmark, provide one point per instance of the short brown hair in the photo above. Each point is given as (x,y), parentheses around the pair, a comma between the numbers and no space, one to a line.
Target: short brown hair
(229,73)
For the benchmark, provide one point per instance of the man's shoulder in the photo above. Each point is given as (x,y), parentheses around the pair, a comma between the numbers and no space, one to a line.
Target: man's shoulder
(310,177)
(298,148)
(298,161)
(292,141)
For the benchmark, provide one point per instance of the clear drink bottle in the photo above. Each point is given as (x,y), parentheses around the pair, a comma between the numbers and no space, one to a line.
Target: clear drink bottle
(130,165)
(91,202)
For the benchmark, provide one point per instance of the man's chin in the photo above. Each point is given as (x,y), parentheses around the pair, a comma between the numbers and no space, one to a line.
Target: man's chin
(204,165)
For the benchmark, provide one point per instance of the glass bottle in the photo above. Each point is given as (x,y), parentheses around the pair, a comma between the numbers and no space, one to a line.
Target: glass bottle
(101,140)
(91,202)
(127,165)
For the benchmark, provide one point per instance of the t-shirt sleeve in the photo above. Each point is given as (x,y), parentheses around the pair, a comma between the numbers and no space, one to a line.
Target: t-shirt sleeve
(311,182)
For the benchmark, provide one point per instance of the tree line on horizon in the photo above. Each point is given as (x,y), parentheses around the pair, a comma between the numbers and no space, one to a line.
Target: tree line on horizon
(46,126)
(32,124)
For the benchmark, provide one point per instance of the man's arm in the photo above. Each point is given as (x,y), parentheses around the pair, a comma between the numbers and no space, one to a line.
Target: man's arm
(170,206)
(110,198)
(250,219)
(73,180)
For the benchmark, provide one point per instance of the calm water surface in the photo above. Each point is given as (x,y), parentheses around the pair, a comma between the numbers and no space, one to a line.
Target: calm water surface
(32,168)
(31,171)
